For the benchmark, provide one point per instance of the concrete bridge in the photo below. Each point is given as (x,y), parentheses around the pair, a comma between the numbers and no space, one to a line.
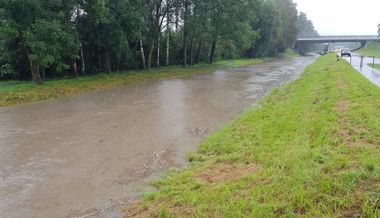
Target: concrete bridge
(301,42)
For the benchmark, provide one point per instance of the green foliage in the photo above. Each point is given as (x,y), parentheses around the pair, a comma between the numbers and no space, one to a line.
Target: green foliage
(311,150)
(54,38)
(306,29)
(40,33)
(51,45)
(288,23)
(305,26)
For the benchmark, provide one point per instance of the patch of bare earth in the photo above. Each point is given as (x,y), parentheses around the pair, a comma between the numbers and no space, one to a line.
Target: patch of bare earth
(349,133)
(223,172)
(369,185)
(341,84)
(135,210)
(351,137)
(341,106)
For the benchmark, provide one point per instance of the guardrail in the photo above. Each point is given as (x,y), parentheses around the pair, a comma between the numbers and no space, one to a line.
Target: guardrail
(362,59)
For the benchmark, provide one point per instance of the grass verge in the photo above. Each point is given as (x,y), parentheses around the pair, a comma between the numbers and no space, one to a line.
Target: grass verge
(311,150)
(373,49)
(377,66)
(16,92)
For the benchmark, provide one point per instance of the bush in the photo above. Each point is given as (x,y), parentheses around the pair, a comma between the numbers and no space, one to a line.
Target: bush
(7,72)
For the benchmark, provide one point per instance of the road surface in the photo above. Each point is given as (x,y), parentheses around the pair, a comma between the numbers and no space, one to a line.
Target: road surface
(88,155)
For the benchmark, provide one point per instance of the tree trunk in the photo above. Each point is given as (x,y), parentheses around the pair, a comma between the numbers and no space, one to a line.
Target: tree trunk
(83,70)
(167,48)
(83,66)
(212,53)
(118,61)
(75,69)
(192,52)
(35,70)
(158,50)
(184,51)
(150,55)
(108,63)
(199,52)
(177,7)
(142,52)
(185,35)
(167,37)
(43,73)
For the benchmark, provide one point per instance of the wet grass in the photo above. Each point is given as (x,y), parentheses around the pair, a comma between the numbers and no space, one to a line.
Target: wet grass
(289,53)
(377,66)
(373,49)
(16,92)
(311,150)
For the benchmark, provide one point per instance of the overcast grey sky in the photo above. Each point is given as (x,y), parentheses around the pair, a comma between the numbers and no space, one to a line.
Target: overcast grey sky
(342,17)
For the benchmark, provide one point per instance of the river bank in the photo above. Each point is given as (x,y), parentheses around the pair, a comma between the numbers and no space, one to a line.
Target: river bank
(97,150)
(18,92)
(310,150)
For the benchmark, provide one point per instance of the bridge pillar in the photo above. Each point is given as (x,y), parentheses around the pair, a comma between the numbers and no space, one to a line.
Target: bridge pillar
(364,44)
(326,48)
(298,47)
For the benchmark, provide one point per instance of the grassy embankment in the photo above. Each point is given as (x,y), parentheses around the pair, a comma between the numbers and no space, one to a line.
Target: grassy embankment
(377,66)
(311,150)
(373,49)
(16,92)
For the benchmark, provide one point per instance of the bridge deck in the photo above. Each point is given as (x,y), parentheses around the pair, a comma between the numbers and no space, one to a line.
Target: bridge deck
(340,39)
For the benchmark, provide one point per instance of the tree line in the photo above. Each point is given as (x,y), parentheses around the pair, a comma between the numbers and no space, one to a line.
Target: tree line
(42,39)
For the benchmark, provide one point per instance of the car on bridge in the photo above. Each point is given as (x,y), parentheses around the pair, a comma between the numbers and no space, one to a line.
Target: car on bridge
(345,52)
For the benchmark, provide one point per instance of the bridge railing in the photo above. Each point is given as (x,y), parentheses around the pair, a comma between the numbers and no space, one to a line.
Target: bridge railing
(335,37)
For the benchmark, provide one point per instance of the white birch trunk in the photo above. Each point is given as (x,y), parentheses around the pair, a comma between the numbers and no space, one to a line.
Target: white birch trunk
(82,60)
(158,51)
(142,52)
(167,38)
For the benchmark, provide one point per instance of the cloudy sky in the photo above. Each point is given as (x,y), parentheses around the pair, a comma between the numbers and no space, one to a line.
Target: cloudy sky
(342,17)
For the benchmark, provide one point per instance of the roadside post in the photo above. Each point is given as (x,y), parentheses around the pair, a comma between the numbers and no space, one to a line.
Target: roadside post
(361,61)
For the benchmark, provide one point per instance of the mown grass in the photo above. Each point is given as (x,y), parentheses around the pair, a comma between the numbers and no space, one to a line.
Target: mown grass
(16,92)
(373,49)
(311,150)
(377,66)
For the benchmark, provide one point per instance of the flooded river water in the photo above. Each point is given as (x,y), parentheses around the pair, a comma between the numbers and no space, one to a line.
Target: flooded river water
(88,155)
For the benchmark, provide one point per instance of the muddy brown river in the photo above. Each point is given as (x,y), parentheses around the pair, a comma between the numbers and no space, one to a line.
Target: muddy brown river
(88,155)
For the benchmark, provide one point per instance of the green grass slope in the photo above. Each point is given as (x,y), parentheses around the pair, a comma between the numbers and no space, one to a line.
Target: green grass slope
(377,66)
(311,150)
(373,49)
